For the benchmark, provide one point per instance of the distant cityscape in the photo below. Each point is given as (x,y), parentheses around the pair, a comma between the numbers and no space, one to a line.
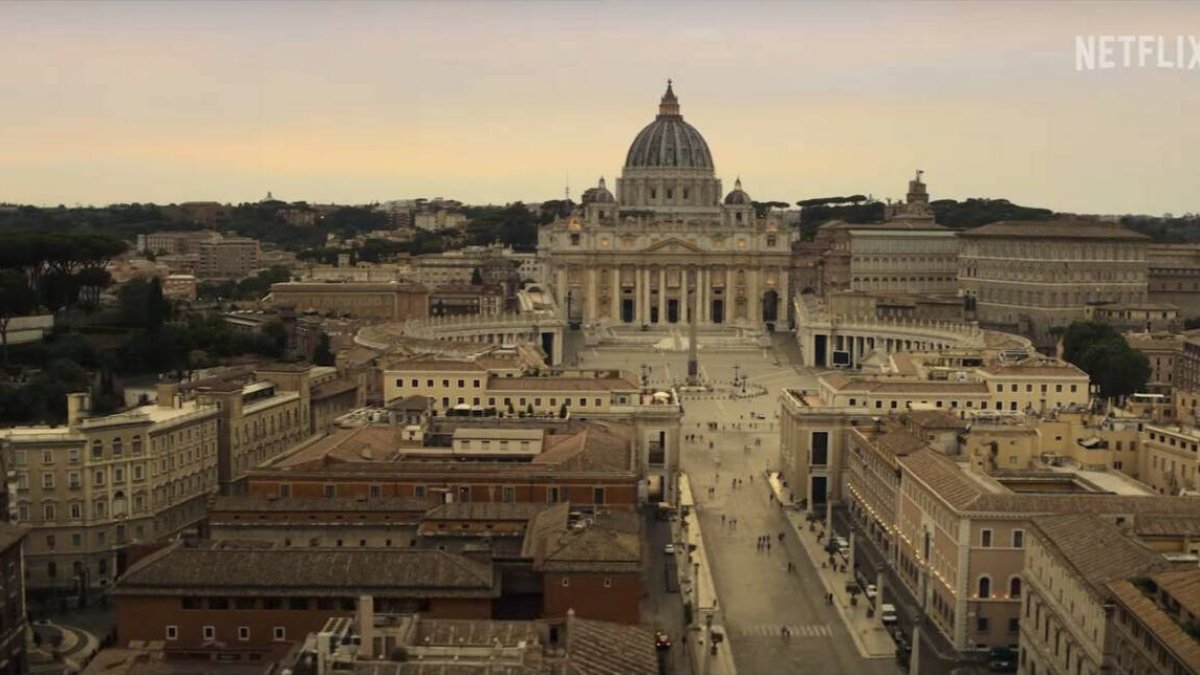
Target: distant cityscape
(426,436)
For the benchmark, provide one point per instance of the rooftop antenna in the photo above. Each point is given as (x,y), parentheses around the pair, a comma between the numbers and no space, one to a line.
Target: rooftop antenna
(567,189)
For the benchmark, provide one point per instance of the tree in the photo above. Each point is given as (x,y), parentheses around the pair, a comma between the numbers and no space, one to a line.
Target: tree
(562,412)
(158,308)
(476,277)
(1106,357)
(323,355)
(16,299)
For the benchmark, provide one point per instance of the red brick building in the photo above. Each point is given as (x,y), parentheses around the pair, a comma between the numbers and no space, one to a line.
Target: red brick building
(590,564)
(588,464)
(237,603)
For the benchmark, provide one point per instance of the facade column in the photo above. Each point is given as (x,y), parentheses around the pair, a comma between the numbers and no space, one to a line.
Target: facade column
(644,290)
(702,295)
(560,288)
(614,313)
(784,309)
(663,294)
(754,289)
(592,292)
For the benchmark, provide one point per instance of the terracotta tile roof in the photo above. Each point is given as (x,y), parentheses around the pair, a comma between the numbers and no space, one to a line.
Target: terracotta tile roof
(1097,550)
(603,648)
(564,384)
(945,478)
(934,419)
(1167,526)
(337,572)
(1070,228)
(316,504)
(447,365)
(487,511)
(1158,622)
(606,542)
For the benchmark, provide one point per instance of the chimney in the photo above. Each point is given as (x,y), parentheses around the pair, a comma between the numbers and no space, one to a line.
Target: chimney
(79,405)
(167,392)
(366,626)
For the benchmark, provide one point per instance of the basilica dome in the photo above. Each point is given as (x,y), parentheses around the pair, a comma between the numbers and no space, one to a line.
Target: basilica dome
(668,141)
(738,197)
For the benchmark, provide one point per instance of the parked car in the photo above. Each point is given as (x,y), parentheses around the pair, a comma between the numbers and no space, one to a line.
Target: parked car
(1002,660)
(669,549)
(662,640)
(871,592)
(887,614)
(758,416)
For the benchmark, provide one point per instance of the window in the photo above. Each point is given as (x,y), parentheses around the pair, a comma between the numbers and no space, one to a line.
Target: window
(598,495)
(97,449)
(552,495)
(243,603)
(985,587)
(76,511)
(607,582)
(48,512)
(48,481)
(117,450)
(285,489)
(1014,588)
(22,481)
(985,538)
(280,633)
(98,477)
(419,491)
(330,491)
(139,472)
(210,633)
(272,603)
(981,624)
(137,445)
(73,455)
(565,582)
(376,491)
(51,570)
(74,480)
(172,632)
(1018,538)
(47,457)
(508,494)
(820,448)
(50,542)
(1014,625)
(244,633)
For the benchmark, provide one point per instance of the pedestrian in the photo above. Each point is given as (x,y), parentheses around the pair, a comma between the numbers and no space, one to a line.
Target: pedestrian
(780,536)
(722,518)
(751,478)
(768,546)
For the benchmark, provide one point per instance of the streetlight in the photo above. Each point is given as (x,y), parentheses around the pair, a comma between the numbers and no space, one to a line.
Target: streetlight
(736,370)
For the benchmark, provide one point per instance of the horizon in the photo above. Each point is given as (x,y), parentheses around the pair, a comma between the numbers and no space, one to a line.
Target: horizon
(365,102)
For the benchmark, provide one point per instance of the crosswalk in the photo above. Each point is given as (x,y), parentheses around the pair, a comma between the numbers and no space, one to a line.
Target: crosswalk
(812,630)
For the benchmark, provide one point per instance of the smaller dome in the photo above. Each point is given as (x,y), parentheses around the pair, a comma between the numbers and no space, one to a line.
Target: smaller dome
(598,195)
(738,197)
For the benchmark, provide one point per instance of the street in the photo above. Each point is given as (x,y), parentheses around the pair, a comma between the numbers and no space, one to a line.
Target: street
(758,594)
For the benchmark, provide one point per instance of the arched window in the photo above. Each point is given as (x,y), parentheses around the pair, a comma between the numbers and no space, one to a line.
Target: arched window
(985,587)
(1014,588)
(118,504)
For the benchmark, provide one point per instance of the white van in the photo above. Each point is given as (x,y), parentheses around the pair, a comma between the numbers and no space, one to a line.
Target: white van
(887,614)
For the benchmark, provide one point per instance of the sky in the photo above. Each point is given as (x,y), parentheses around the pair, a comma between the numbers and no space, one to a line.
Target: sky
(492,102)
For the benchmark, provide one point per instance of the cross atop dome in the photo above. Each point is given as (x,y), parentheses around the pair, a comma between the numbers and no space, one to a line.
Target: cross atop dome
(669,104)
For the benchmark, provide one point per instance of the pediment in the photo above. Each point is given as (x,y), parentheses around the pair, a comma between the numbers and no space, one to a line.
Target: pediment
(673,245)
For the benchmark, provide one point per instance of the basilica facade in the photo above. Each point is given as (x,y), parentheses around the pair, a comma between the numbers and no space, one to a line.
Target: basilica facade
(670,247)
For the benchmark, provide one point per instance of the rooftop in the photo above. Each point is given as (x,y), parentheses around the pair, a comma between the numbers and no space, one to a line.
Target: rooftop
(341,572)
(1096,550)
(608,541)
(1063,228)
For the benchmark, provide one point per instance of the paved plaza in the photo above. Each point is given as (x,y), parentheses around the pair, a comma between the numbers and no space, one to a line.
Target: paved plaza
(758,594)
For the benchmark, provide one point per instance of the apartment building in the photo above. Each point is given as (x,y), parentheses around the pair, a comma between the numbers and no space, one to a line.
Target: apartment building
(1169,460)
(1066,612)
(93,487)
(390,301)
(258,421)
(1163,351)
(1154,631)
(229,258)
(814,423)
(13,617)
(961,535)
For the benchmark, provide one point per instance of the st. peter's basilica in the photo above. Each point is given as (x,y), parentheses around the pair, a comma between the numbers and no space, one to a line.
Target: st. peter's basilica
(667,241)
